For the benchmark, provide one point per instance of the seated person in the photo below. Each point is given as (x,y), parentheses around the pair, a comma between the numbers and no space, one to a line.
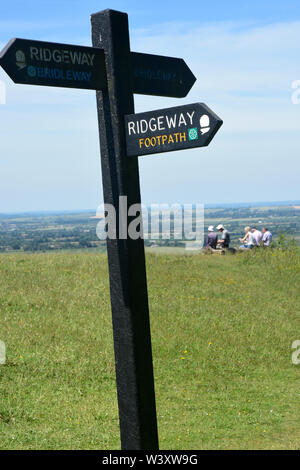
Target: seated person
(257,235)
(248,240)
(267,237)
(225,237)
(211,239)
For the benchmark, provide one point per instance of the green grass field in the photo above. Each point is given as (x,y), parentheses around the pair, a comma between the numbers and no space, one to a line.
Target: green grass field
(222,331)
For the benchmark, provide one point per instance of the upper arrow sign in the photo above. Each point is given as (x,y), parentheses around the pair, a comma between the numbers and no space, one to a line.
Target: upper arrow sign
(62,65)
(160,75)
(52,64)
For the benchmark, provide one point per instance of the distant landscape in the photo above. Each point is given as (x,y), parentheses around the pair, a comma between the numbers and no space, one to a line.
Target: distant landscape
(51,231)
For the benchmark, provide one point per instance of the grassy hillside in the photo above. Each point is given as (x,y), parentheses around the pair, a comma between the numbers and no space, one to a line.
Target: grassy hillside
(222,330)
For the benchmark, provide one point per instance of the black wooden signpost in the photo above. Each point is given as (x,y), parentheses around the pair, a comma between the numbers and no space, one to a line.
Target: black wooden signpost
(117,73)
(128,286)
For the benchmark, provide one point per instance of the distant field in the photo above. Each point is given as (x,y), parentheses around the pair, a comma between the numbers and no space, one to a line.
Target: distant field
(77,231)
(222,330)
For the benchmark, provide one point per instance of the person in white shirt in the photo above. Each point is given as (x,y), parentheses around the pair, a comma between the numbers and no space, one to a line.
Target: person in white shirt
(267,237)
(248,241)
(257,235)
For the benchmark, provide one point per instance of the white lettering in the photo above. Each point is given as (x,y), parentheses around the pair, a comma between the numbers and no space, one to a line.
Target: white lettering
(47,55)
(181,120)
(154,127)
(296,93)
(84,60)
(145,127)
(92,57)
(56,55)
(34,53)
(66,56)
(75,57)
(172,121)
(159,123)
(131,127)
(191,116)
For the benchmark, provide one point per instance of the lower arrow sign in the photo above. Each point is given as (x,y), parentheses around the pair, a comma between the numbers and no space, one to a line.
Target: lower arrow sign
(167,130)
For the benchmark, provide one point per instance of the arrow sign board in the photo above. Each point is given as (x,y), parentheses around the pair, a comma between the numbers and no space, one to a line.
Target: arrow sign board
(62,65)
(167,130)
(160,75)
(51,64)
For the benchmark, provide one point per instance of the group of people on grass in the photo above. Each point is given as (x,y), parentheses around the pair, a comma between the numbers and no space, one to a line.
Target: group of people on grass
(253,238)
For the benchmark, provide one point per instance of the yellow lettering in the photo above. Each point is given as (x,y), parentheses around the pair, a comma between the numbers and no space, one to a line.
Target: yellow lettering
(182,136)
(147,142)
(171,139)
(158,139)
(176,135)
(164,138)
(153,141)
(140,142)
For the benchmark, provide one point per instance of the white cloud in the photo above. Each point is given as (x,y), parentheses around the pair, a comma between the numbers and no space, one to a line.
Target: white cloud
(245,72)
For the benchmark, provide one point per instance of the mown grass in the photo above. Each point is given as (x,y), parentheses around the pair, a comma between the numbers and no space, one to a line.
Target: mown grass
(222,330)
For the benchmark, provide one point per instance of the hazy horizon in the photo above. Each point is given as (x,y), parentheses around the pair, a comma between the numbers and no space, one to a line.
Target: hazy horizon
(206,205)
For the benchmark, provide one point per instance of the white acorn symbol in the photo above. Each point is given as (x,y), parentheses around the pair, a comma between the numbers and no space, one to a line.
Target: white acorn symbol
(20,59)
(204,123)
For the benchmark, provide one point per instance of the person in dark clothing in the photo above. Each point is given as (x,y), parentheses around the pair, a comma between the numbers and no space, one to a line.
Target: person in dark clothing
(211,238)
(225,237)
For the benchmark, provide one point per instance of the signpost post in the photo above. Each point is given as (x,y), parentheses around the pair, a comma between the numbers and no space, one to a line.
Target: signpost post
(116,74)
(126,257)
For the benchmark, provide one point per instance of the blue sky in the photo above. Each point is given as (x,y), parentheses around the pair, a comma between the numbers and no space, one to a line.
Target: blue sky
(245,56)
